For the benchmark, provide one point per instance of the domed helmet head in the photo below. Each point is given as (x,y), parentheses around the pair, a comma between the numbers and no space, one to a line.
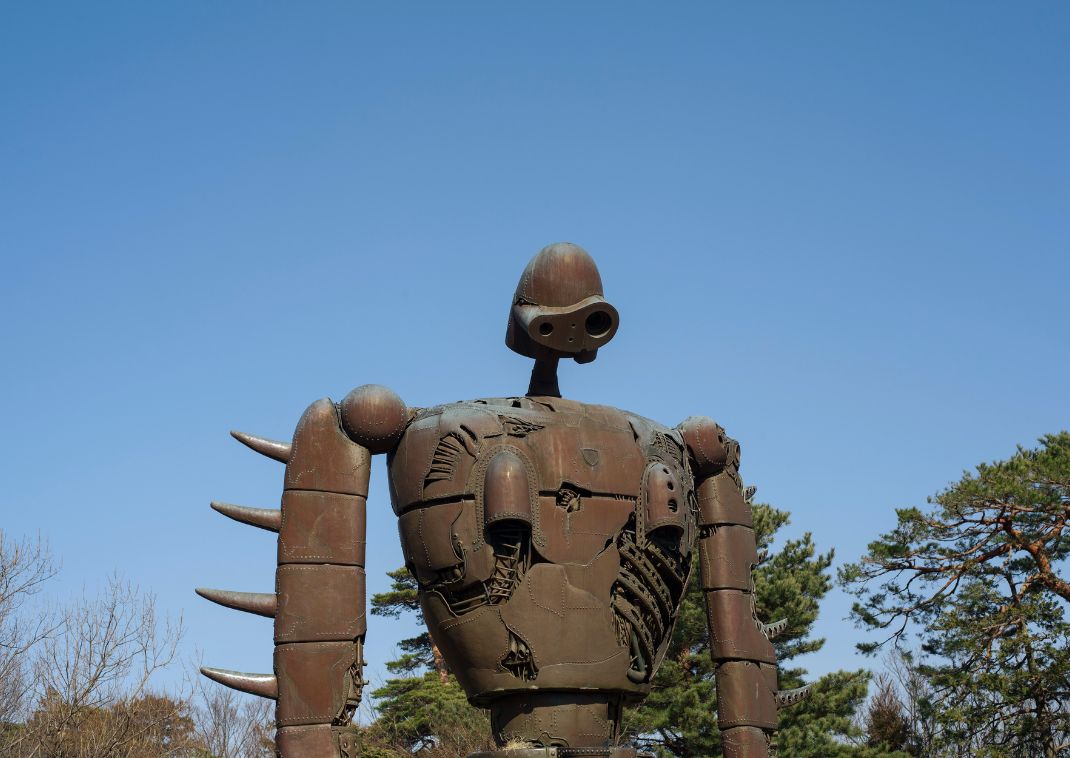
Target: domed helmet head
(559,309)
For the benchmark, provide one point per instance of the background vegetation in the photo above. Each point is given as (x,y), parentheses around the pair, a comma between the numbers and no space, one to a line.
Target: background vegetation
(966,599)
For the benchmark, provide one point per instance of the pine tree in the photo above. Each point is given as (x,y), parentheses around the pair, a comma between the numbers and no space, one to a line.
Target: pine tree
(422,707)
(982,577)
(417,653)
(679,718)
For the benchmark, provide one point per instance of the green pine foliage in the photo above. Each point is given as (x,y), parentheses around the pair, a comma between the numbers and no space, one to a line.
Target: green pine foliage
(426,714)
(425,709)
(679,718)
(417,653)
(981,578)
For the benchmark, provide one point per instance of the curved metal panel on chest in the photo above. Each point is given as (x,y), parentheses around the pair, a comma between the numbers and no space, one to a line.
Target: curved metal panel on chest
(550,540)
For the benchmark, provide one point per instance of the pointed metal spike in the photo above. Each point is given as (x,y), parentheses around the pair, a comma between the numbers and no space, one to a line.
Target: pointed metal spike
(784,698)
(772,631)
(280,451)
(749,492)
(264,685)
(265,518)
(260,603)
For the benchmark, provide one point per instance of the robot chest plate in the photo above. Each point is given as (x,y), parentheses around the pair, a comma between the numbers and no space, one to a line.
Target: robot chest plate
(580,472)
(550,540)
(593,450)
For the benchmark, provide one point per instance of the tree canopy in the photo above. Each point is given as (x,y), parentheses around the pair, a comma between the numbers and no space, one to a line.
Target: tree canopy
(980,577)
(422,708)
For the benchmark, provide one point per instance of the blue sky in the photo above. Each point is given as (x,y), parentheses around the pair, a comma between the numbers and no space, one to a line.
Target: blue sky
(840,229)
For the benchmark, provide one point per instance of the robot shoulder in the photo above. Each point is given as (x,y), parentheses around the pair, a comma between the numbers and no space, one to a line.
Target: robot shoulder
(710,448)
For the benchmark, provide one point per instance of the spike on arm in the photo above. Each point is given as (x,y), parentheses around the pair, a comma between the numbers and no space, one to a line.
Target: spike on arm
(264,518)
(279,451)
(262,685)
(784,698)
(772,631)
(260,603)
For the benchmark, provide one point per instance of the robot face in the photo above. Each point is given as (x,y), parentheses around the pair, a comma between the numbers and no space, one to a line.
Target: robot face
(559,309)
(576,331)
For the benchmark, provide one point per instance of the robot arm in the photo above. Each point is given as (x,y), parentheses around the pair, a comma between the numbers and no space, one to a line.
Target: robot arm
(319,599)
(747,697)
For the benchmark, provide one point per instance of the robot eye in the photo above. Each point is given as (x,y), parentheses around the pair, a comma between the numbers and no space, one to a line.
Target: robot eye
(598,323)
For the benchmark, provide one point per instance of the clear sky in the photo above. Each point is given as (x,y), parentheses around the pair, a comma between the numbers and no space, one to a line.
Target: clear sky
(840,229)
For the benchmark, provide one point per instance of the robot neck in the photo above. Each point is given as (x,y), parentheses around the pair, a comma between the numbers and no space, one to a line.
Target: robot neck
(544,378)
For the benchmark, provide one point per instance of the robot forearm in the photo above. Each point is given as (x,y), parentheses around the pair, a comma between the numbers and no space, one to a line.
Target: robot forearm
(320,583)
(746,661)
(739,642)
(319,599)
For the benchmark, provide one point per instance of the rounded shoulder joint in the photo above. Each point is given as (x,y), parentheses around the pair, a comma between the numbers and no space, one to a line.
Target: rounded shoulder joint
(374,416)
(711,450)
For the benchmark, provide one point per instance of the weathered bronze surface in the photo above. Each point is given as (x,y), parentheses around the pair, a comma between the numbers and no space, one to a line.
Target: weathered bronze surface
(551,541)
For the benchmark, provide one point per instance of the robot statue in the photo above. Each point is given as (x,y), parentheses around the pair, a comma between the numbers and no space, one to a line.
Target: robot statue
(551,541)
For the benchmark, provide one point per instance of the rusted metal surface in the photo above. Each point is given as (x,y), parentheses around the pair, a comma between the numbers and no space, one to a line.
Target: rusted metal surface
(557,715)
(374,416)
(260,603)
(264,518)
(322,527)
(735,633)
(720,502)
(427,540)
(563,752)
(559,310)
(279,451)
(507,489)
(261,685)
(746,695)
(744,742)
(706,442)
(317,682)
(730,554)
(313,741)
(551,541)
(319,603)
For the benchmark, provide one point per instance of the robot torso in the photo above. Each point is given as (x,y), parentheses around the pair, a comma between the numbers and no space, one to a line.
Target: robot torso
(550,540)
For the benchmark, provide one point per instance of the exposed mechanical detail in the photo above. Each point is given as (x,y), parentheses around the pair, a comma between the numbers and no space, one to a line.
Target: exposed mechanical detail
(519,660)
(511,542)
(444,460)
(551,542)
(646,595)
(570,499)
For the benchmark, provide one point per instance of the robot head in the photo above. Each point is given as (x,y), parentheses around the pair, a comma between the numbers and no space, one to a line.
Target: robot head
(558,309)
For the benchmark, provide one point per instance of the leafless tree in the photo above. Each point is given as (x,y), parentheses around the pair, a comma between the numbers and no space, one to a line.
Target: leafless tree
(91,680)
(24,567)
(916,694)
(77,681)
(231,725)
